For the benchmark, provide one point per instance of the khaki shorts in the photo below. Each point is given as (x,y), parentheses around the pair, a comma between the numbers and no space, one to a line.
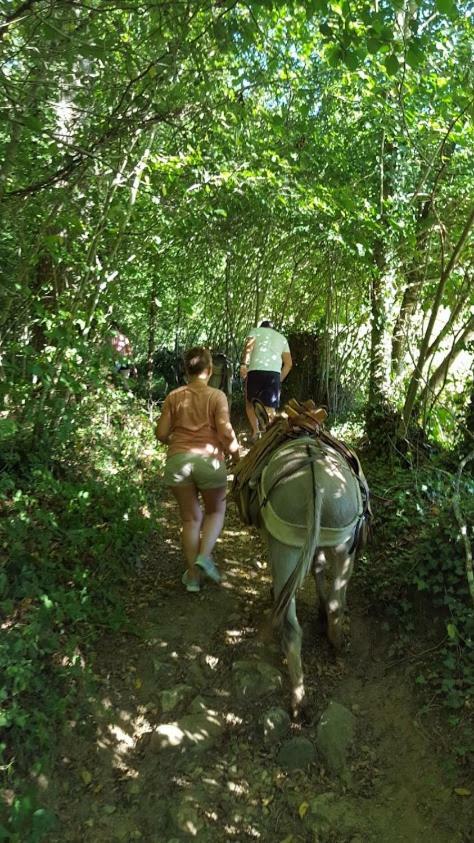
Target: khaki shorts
(186,469)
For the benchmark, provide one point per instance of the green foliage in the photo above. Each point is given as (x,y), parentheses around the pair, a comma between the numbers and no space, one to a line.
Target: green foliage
(416,571)
(187,169)
(71,534)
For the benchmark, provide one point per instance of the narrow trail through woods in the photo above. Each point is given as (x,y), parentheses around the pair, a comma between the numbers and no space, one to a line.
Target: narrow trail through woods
(170,680)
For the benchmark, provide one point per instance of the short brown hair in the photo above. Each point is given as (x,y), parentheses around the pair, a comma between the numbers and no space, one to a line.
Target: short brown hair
(197,359)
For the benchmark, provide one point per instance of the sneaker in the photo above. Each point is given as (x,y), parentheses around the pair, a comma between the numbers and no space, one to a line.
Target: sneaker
(191,585)
(207,565)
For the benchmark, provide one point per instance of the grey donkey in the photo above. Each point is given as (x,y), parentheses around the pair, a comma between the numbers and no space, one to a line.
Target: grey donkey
(313,512)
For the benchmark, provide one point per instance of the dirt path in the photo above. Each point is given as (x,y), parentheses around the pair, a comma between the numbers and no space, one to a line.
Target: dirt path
(192,764)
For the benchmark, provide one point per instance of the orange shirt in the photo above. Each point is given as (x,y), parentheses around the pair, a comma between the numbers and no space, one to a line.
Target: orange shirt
(200,422)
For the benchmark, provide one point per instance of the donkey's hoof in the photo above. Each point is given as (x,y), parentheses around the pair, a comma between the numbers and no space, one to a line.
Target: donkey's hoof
(301,712)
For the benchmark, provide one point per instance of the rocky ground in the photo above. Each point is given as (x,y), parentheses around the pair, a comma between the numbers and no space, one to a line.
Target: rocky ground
(187,737)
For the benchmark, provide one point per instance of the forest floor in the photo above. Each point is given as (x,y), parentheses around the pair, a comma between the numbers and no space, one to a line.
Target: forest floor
(164,748)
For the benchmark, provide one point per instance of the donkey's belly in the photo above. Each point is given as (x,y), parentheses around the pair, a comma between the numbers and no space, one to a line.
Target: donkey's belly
(285,514)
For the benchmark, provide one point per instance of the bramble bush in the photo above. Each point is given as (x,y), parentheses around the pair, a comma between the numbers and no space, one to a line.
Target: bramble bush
(72,528)
(417,550)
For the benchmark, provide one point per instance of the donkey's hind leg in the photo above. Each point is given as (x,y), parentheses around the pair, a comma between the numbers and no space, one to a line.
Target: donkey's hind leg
(319,571)
(340,564)
(283,561)
(292,637)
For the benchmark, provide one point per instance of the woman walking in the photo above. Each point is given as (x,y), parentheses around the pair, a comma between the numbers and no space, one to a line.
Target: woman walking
(195,425)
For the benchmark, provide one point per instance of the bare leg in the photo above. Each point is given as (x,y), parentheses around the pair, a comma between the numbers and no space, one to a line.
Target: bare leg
(214,512)
(191,516)
(251,417)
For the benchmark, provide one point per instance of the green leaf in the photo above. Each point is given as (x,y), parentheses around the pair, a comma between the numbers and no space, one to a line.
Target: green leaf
(373,45)
(414,55)
(33,123)
(8,428)
(447,7)
(43,821)
(94,51)
(351,60)
(334,55)
(313,6)
(325,29)
(391,64)
(452,631)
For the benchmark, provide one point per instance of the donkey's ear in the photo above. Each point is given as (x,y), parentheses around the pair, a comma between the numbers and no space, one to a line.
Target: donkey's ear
(261,413)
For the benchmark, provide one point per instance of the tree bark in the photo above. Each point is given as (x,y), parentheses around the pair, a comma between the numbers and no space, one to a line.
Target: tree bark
(412,290)
(442,370)
(422,357)
(152,311)
(379,362)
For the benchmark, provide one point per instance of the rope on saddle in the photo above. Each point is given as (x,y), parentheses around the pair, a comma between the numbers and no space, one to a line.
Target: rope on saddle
(296,420)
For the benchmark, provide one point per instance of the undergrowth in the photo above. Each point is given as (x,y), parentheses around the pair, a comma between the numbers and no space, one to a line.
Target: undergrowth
(72,527)
(415,572)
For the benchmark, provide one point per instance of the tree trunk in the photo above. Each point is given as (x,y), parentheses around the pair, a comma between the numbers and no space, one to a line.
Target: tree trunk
(152,311)
(422,357)
(441,372)
(412,291)
(379,369)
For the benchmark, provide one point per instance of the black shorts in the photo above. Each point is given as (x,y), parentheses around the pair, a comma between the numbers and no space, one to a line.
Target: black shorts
(266,386)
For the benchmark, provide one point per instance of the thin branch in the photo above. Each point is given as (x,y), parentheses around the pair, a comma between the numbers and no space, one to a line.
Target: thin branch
(462,524)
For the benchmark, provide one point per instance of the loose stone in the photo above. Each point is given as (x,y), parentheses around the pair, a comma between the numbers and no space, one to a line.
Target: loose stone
(296,754)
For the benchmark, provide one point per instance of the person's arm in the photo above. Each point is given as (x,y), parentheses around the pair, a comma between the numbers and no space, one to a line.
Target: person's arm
(163,427)
(287,364)
(225,431)
(245,359)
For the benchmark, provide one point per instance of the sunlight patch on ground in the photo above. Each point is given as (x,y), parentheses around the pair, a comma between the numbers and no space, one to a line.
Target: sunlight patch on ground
(236,831)
(237,787)
(123,741)
(233,719)
(172,735)
(233,636)
(212,782)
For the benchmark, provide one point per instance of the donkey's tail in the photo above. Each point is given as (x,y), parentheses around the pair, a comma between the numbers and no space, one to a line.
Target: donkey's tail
(303,566)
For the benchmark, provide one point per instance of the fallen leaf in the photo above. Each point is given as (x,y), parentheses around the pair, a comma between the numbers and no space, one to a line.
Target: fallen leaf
(303,809)
(86,776)
(266,800)
(462,791)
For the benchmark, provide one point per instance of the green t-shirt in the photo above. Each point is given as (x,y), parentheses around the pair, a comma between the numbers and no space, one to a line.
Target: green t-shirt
(268,348)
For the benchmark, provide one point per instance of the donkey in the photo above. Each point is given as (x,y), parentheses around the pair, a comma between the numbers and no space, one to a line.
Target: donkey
(222,374)
(313,511)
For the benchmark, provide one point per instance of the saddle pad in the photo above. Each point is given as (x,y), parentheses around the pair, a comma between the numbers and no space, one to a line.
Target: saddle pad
(294,534)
